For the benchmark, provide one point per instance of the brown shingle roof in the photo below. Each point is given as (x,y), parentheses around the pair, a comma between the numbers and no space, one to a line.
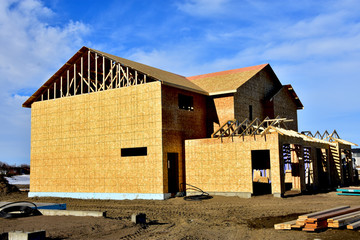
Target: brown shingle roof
(225,81)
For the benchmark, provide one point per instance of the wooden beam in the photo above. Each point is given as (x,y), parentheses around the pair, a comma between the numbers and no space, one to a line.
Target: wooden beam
(116,74)
(136,77)
(61,87)
(74,78)
(85,80)
(111,70)
(103,84)
(54,90)
(96,73)
(81,70)
(127,75)
(89,71)
(67,83)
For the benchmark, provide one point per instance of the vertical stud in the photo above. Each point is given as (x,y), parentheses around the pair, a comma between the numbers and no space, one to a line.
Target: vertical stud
(96,73)
(82,74)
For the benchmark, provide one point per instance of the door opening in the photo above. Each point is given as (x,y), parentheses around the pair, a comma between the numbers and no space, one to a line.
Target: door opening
(173,172)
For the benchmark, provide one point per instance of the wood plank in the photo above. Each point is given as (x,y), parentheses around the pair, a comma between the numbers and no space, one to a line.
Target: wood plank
(322,212)
(285,225)
(343,217)
(353,225)
(333,214)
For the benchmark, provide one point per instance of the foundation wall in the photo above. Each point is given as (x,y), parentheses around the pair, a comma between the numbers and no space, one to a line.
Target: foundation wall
(76,144)
(225,167)
(180,124)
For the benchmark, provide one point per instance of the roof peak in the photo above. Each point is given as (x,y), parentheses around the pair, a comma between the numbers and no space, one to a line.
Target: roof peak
(238,70)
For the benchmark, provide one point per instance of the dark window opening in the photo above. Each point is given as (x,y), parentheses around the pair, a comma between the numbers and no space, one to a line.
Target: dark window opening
(132,152)
(186,102)
(250,113)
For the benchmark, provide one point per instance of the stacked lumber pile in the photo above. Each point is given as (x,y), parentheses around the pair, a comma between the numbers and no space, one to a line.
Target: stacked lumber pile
(338,217)
(354,191)
(343,220)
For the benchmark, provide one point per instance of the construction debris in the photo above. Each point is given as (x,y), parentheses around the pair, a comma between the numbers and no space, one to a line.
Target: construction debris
(344,216)
(138,218)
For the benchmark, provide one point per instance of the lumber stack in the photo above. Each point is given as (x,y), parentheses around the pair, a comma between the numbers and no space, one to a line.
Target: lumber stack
(320,221)
(343,220)
(354,191)
(339,217)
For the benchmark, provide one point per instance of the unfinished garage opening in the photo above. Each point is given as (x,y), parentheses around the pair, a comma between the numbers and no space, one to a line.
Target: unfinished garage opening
(260,160)
(323,168)
(173,172)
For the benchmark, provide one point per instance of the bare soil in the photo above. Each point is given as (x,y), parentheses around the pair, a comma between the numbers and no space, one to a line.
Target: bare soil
(175,218)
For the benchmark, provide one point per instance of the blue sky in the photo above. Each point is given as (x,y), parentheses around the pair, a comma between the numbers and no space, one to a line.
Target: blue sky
(313,45)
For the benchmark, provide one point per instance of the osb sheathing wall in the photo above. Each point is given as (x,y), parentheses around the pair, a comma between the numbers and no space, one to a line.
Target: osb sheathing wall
(253,93)
(180,124)
(284,106)
(225,167)
(224,109)
(76,142)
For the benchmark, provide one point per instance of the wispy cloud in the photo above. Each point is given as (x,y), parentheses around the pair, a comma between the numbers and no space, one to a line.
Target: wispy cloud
(32,49)
(203,7)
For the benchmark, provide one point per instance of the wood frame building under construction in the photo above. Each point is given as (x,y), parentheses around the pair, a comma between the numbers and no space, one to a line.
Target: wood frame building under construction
(109,128)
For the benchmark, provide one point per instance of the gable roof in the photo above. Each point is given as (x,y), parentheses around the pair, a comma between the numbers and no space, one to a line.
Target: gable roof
(226,81)
(165,77)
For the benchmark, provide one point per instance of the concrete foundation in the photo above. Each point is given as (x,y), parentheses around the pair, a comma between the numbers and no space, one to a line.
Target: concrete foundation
(19,235)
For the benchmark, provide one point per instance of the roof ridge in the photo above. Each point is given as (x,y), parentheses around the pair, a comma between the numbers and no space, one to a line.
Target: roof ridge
(104,53)
(238,70)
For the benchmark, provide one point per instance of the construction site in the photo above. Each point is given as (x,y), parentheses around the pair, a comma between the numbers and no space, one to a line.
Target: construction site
(212,156)
(105,127)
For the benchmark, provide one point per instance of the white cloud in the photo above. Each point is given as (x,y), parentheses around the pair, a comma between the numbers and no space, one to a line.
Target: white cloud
(32,49)
(203,7)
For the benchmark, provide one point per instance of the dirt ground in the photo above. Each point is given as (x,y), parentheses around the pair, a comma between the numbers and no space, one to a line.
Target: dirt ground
(175,218)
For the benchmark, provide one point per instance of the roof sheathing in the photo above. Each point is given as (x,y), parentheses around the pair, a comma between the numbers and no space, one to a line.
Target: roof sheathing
(226,81)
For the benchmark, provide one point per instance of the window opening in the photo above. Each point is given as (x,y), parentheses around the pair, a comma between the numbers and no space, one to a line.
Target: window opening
(186,102)
(132,152)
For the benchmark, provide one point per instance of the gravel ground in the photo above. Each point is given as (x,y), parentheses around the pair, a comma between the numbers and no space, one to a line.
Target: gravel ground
(175,218)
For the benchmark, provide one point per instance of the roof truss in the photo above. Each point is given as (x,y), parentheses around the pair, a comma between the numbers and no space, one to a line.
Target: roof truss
(86,72)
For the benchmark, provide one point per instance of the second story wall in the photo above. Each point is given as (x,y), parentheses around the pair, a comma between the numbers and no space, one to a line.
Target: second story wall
(249,98)
(183,117)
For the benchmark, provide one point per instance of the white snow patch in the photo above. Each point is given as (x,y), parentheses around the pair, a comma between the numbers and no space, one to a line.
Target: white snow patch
(19,179)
